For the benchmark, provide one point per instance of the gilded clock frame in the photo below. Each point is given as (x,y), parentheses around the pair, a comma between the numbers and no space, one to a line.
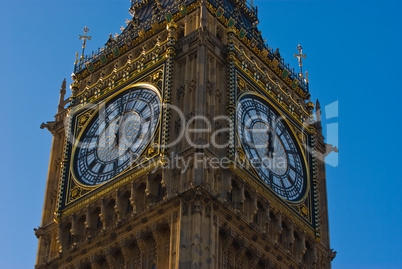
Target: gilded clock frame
(305,210)
(73,195)
(89,120)
(293,135)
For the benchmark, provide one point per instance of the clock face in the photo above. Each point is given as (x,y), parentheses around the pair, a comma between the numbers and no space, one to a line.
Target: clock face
(270,148)
(116,135)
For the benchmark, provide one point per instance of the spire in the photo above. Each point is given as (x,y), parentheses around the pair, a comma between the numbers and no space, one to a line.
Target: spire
(62,102)
(318,110)
(318,125)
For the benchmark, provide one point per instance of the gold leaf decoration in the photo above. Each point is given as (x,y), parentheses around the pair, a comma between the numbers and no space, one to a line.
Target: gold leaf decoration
(304,210)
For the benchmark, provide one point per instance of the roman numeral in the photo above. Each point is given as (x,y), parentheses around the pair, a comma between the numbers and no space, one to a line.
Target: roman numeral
(92,164)
(290,180)
(294,169)
(271,178)
(288,151)
(115,166)
(147,119)
(101,168)
(142,109)
(284,189)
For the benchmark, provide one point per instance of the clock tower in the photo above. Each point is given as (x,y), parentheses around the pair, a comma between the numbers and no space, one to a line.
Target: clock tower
(186,143)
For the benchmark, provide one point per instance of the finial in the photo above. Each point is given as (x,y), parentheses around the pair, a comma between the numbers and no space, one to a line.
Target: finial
(310,107)
(76,58)
(277,54)
(318,111)
(63,86)
(84,38)
(62,102)
(317,105)
(300,56)
(131,10)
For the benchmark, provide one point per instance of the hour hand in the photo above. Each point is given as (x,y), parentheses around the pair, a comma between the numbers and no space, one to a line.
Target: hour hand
(117,134)
(116,138)
(271,144)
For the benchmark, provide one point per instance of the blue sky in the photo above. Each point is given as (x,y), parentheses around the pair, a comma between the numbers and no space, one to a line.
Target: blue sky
(353,58)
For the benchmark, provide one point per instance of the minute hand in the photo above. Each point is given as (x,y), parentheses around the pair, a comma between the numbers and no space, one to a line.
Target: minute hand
(117,133)
(271,142)
(121,119)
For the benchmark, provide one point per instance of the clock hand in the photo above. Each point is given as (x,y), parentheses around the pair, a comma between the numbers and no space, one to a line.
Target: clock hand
(270,148)
(271,143)
(117,133)
(273,136)
(125,106)
(273,133)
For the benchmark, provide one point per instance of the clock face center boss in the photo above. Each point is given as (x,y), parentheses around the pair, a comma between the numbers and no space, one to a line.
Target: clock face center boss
(116,135)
